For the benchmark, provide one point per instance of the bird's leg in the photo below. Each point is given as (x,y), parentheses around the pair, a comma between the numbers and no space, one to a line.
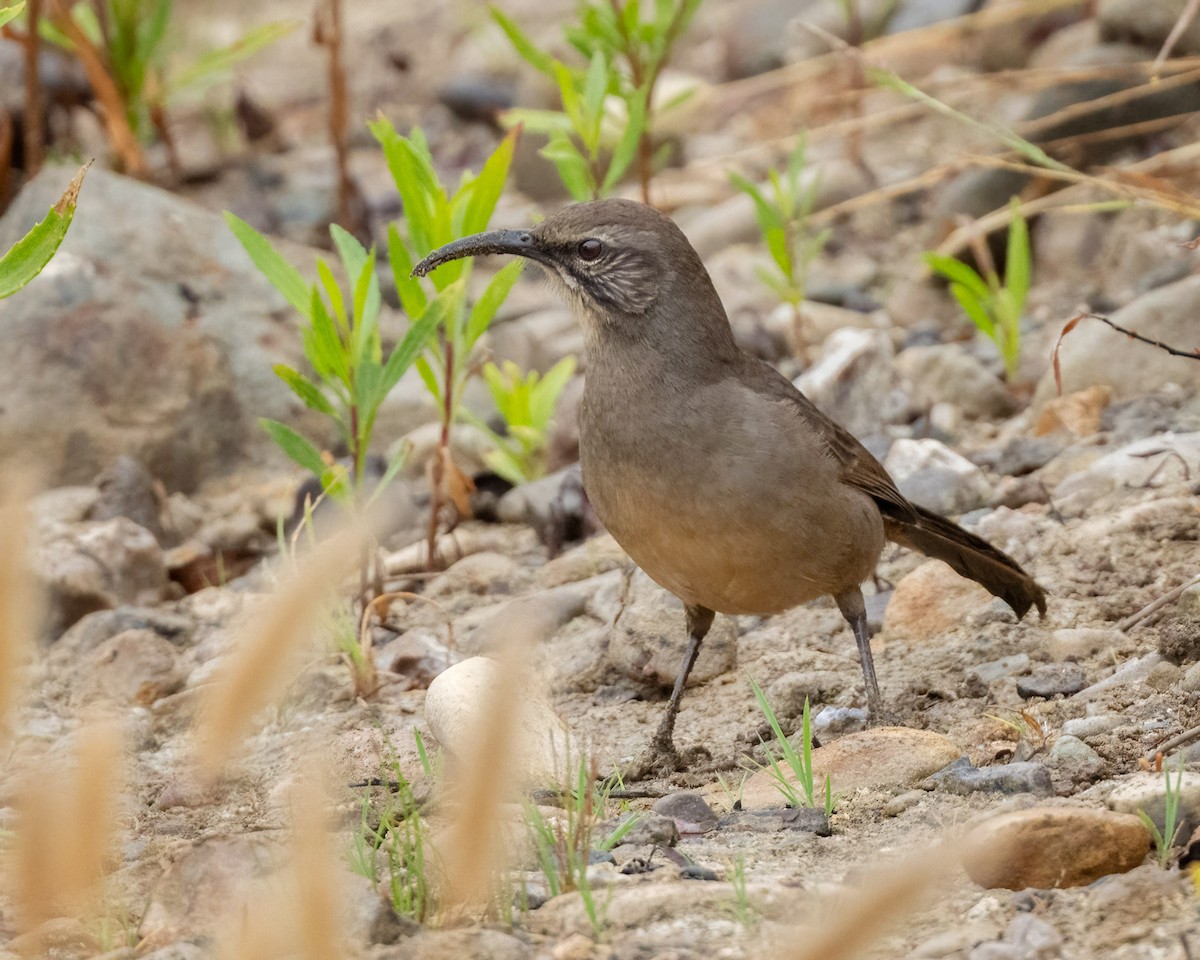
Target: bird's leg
(699,619)
(854,609)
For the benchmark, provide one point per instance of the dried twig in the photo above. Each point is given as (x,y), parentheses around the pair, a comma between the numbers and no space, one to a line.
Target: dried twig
(1153,606)
(1193,354)
(1177,741)
(1185,18)
(327,32)
(34,148)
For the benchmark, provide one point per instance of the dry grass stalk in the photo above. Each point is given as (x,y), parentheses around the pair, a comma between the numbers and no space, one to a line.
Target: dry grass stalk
(1186,16)
(471,848)
(33,90)
(20,610)
(265,650)
(66,825)
(317,918)
(854,920)
(116,123)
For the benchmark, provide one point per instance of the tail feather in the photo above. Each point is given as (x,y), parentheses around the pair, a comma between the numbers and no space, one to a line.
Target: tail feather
(970,556)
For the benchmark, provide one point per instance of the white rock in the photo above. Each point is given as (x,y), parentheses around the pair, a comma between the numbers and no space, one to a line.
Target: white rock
(946,373)
(932,475)
(454,708)
(855,381)
(1129,466)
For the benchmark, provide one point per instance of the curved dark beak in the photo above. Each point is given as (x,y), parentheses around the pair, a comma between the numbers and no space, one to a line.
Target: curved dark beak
(522,243)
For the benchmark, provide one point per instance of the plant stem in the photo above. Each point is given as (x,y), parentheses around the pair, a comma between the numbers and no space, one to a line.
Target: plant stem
(33,92)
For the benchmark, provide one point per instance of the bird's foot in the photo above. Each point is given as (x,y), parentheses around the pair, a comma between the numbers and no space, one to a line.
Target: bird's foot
(660,759)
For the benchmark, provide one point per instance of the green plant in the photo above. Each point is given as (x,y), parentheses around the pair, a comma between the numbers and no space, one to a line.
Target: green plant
(742,911)
(29,255)
(783,221)
(995,307)
(433,216)
(564,843)
(800,764)
(343,345)
(128,39)
(399,837)
(8,14)
(625,52)
(1164,840)
(527,403)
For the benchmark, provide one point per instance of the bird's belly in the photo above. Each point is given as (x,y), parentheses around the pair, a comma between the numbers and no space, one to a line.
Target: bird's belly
(741,555)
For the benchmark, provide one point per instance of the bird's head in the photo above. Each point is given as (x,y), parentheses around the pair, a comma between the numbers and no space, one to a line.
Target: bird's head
(612,259)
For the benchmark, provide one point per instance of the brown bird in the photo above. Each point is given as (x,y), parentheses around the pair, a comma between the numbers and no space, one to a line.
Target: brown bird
(717,476)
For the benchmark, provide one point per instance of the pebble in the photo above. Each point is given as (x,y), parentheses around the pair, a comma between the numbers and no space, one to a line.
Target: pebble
(1078,643)
(946,373)
(962,778)
(594,556)
(1148,792)
(1086,727)
(134,667)
(483,573)
(855,382)
(648,830)
(935,477)
(1054,847)
(930,601)
(1067,747)
(1051,680)
(834,722)
(898,804)
(787,693)
(692,815)
(998,669)
(453,706)
(1130,675)
(880,758)
(1173,455)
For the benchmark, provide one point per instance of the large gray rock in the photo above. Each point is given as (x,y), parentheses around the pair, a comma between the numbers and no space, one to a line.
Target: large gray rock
(150,334)
(1093,354)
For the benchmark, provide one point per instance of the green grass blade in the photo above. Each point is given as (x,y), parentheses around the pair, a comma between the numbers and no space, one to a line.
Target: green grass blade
(283,276)
(10,13)
(295,446)
(29,255)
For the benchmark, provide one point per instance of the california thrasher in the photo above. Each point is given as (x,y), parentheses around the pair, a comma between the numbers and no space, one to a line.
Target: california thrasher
(718,477)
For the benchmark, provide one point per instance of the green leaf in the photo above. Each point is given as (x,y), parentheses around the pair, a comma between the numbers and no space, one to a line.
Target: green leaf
(539,60)
(295,446)
(626,147)
(484,309)
(505,465)
(423,198)
(595,86)
(537,121)
(10,13)
(324,348)
(282,275)
(150,32)
(429,378)
(411,293)
(418,335)
(334,292)
(571,101)
(958,272)
(544,397)
(305,389)
(974,308)
(777,246)
(352,253)
(489,185)
(29,255)
(572,168)
(1017,262)
(367,302)
(215,64)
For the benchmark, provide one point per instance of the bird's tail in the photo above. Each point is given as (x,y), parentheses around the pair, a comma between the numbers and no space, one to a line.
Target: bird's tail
(969,555)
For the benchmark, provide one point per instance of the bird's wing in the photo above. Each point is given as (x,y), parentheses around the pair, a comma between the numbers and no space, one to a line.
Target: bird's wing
(858,467)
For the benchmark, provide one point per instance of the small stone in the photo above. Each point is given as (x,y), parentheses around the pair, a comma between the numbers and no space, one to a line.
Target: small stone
(787,693)
(932,475)
(134,667)
(1148,792)
(1178,642)
(648,830)
(854,381)
(946,373)
(1052,680)
(997,669)
(1054,847)
(480,574)
(1088,727)
(591,558)
(880,758)
(1078,643)
(833,722)
(930,601)
(898,804)
(1033,936)
(1189,601)
(807,820)
(1191,678)
(1163,677)
(962,778)
(1131,675)
(1067,747)
(689,811)
(453,706)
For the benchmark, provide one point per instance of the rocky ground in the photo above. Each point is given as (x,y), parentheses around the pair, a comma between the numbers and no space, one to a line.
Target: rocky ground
(155,537)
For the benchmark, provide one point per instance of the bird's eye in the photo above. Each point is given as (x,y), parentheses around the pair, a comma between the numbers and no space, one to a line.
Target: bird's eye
(590,249)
